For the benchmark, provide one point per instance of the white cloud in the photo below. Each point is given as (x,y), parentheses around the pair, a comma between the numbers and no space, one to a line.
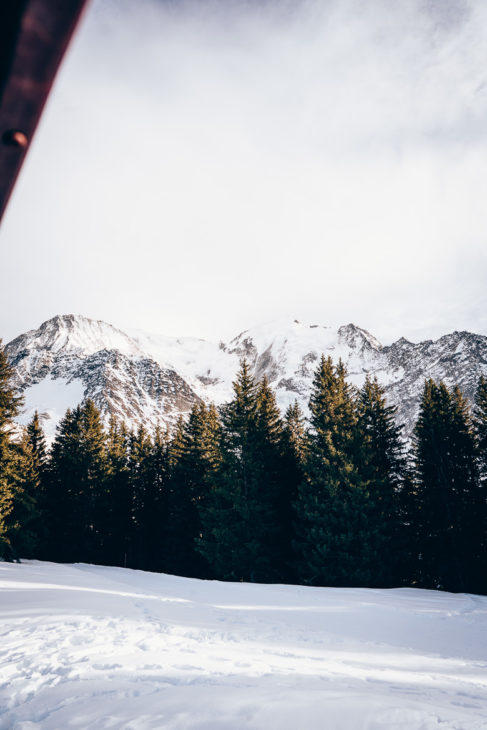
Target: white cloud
(203,166)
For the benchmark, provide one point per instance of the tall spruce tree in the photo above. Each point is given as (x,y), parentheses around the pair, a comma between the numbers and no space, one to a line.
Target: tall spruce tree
(332,505)
(119,521)
(383,470)
(276,488)
(236,518)
(37,441)
(480,427)
(448,501)
(76,487)
(196,456)
(140,448)
(25,478)
(294,442)
(156,512)
(11,462)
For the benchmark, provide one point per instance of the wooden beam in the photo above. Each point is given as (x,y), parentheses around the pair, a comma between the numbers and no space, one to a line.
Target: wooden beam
(34,35)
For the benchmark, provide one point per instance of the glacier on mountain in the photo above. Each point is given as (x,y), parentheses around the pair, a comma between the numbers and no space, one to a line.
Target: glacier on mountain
(149,379)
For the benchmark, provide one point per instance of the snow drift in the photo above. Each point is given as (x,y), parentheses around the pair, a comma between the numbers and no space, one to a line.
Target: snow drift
(94,647)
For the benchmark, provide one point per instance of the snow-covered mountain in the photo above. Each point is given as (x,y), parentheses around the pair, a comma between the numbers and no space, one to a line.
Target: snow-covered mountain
(71,357)
(148,379)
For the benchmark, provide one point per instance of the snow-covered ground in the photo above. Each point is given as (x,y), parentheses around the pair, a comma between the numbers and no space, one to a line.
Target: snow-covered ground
(94,647)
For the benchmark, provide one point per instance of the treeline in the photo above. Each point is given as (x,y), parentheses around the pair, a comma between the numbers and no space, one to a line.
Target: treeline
(241,493)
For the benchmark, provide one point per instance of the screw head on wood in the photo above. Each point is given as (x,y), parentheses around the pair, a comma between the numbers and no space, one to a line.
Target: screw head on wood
(15,138)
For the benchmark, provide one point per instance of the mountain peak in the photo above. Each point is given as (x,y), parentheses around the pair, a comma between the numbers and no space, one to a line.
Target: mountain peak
(142,378)
(74,332)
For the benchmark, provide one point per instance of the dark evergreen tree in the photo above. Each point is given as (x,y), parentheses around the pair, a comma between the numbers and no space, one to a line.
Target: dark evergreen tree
(332,505)
(448,500)
(480,427)
(383,470)
(10,461)
(36,487)
(76,487)
(294,443)
(25,478)
(235,519)
(37,441)
(10,402)
(140,448)
(119,518)
(155,514)
(275,495)
(295,433)
(195,457)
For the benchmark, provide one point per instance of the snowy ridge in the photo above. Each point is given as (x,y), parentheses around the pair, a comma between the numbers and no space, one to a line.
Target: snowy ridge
(149,379)
(95,647)
(71,357)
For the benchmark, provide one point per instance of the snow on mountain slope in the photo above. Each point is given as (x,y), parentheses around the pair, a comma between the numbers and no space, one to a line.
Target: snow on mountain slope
(74,333)
(51,398)
(101,363)
(288,353)
(91,647)
(206,366)
(148,379)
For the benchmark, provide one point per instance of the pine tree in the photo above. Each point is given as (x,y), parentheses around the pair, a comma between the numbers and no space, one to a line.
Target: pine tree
(156,513)
(195,455)
(232,524)
(140,448)
(274,499)
(294,446)
(76,487)
(332,504)
(119,518)
(295,433)
(480,427)
(383,469)
(25,518)
(36,487)
(10,465)
(37,441)
(447,495)
(10,402)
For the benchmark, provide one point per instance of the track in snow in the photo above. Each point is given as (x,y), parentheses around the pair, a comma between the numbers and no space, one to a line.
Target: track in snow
(90,647)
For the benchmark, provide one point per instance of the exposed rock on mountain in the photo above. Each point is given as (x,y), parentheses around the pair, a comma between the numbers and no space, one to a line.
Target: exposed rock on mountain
(70,358)
(149,379)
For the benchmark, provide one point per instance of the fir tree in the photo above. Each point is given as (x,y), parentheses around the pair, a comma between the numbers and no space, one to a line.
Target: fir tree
(295,433)
(119,518)
(447,496)
(294,446)
(76,487)
(276,489)
(332,504)
(10,402)
(37,441)
(25,518)
(195,456)
(383,469)
(10,464)
(155,513)
(234,521)
(480,427)
(140,447)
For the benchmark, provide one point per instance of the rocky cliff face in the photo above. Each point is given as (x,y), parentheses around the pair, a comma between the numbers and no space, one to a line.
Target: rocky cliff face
(150,379)
(82,358)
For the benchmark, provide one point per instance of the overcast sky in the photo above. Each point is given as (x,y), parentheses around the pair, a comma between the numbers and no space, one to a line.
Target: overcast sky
(204,166)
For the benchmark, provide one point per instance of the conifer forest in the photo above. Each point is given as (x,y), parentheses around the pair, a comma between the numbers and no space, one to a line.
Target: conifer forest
(242,493)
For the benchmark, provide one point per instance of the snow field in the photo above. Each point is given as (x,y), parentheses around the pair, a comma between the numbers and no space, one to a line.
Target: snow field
(89,647)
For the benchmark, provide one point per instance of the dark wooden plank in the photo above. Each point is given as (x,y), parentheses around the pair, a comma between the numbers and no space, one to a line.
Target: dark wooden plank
(34,35)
